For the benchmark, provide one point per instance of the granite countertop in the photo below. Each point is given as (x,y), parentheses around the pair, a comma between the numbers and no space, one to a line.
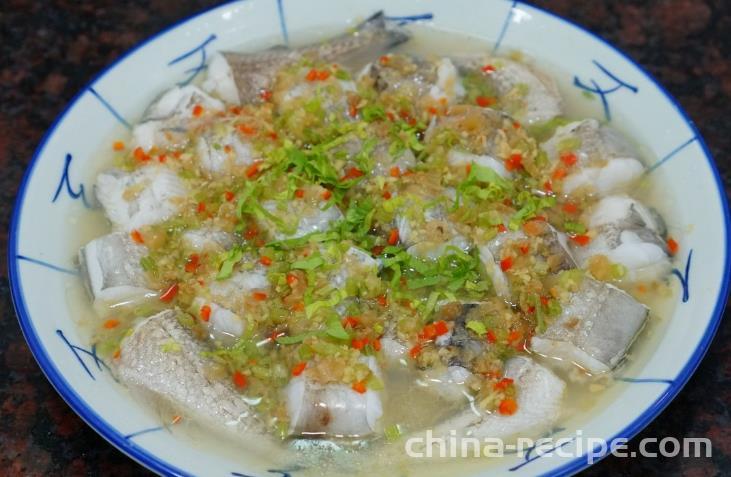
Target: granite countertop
(50,50)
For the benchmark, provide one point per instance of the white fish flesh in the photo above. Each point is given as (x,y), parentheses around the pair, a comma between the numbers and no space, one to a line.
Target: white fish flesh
(223,324)
(595,329)
(213,157)
(146,196)
(111,269)
(208,239)
(630,234)
(163,362)
(539,398)
(460,158)
(333,410)
(605,161)
(354,260)
(168,119)
(231,291)
(310,218)
(448,383)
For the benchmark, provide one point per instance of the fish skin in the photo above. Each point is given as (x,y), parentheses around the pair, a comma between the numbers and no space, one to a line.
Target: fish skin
(177,377)
(595,329)
(254,72)
(111,268)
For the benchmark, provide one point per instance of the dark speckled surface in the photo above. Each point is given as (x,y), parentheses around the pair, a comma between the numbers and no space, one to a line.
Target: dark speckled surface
(49,50)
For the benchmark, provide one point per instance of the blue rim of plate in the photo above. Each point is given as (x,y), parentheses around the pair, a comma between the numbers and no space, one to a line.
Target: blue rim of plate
(156,464)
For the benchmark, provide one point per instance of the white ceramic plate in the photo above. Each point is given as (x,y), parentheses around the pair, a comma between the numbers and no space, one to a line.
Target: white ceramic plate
(59,182)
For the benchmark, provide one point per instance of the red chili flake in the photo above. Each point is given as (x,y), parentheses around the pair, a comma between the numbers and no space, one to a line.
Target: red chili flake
(377,344)
(327,194)
(246,129)
(484,101)
(544,300)
(136,236)
(468,168)
(201,207)
(377,250)
(390,116)
(298,307)
(140,155)
(382,301)
(386,195)
(559,174)
(266,261)
(292,279)
(259,296)
(514,336)
(352,173)
(581,240)
(432,110)
(353,110)
(298,368)
(568,158)
(322,75)
(117,354)
(384,59)
(514,162)
(506,264)
(273,136)
(524,249)
(570,208)
(503,384)
(234,110)
(265,95)
(415,351)
(229,196)
(239,379)
(161,158)
(253,169)
(197,110)
(516,125)
(441,327)
(548,187)
(205,313)
(169,294)
(395,171)
(491,338)
(250,233)
(501,228)
(488,69)
(508,407)
(359,343)
(393,237)
(111,323)
(191,265)
(311,75)
(228,149)
(531,309)
(359,387)
(350,321)
(672,246)
(299,193)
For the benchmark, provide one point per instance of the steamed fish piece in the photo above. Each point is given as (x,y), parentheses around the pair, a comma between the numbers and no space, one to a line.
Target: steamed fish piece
(426,81)
(300,218)
(241,77)
(234,291)
(525,93)
(448,383)
(145,196)
(605,163)
(539,398)
(168,121)
(111,269)
(595,329)
(457,158)
(208,239)
(223,324)
(356,263)
(163,362)
(553,251)
(333,410)
(630,234)
(223,152)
